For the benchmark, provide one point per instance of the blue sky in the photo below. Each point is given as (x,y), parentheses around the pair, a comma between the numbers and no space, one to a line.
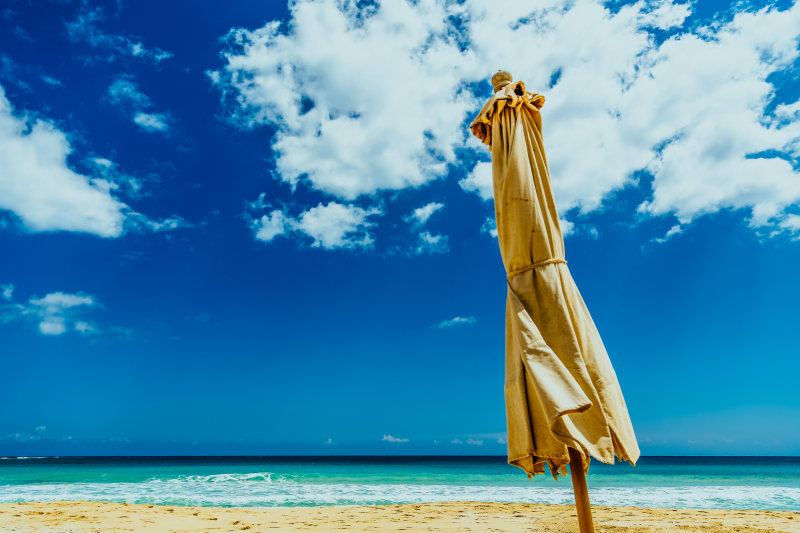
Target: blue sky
(259,230)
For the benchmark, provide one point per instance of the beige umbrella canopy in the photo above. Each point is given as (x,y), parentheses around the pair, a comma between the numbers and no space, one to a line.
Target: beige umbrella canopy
(561,390)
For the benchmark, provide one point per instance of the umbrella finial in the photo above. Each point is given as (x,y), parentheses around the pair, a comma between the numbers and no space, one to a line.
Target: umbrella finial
(501,79)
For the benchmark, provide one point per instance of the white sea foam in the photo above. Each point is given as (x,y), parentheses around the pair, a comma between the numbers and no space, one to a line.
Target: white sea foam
(268,490)
(221,478)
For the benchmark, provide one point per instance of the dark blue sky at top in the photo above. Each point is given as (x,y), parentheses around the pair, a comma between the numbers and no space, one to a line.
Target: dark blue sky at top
(214,342)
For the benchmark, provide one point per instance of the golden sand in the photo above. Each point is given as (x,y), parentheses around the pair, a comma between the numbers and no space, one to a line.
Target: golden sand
(74,517)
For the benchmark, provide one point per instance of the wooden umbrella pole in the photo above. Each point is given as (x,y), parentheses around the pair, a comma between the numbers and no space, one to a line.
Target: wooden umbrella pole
(581,492)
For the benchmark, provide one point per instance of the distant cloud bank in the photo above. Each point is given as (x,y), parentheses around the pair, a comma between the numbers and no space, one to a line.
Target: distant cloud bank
(456,321)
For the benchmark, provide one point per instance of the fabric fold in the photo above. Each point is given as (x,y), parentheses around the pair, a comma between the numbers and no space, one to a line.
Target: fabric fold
(561,390)
(512,95)
(539,391)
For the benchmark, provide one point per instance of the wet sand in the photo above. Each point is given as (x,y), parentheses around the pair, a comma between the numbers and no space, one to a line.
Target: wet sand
(74,517)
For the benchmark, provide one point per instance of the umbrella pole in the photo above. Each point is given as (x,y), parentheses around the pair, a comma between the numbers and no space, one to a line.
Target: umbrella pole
(581,492)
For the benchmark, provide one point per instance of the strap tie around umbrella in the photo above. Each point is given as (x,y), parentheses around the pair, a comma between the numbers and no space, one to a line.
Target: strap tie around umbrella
(535,265)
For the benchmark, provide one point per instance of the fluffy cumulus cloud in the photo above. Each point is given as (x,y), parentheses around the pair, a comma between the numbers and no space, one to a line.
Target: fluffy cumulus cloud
(721,150)
(382,95)
(54,314)
(41,189)
(334,225)
(39,186)
(331,225)
(479,180)
(389,438)
(269,226)
(376,94)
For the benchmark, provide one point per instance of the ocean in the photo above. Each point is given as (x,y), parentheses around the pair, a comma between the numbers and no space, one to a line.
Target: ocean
(769,483)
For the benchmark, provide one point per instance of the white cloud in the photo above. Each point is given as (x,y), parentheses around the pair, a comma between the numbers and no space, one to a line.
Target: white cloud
(479,180)
(475,442)
(427,242)
(377,99)
(102,162)
(457,321)
(270,226)
(151,121)
(49,80)
(336,225)
(456,441)
(84,328)
(715,152)
(86,28)
(791,224)
(125,93)
(431,243)
(39,186)
(490,226)
(61,300)
(674,230)
(114,178)
(13,73)
(7,291)
(667,15)
(56,311)
(142,223)
(421,215)
(53,325)
(380,96)
(567,226)
(41,189)
(331,225)
(389,438)
(38,434)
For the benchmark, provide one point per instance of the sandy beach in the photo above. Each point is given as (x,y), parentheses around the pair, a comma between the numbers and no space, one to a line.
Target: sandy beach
(74,517)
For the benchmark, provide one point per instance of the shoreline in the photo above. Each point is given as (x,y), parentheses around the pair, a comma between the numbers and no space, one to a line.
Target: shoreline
(467,516)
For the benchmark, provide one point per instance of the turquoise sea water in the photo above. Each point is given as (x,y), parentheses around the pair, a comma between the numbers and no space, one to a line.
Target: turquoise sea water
(670,482)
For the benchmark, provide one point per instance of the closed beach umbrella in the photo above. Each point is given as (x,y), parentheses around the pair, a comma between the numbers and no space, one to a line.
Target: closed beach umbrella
(563,401)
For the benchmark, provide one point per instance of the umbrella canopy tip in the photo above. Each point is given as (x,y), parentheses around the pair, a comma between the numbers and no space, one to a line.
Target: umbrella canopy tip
(501,79)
